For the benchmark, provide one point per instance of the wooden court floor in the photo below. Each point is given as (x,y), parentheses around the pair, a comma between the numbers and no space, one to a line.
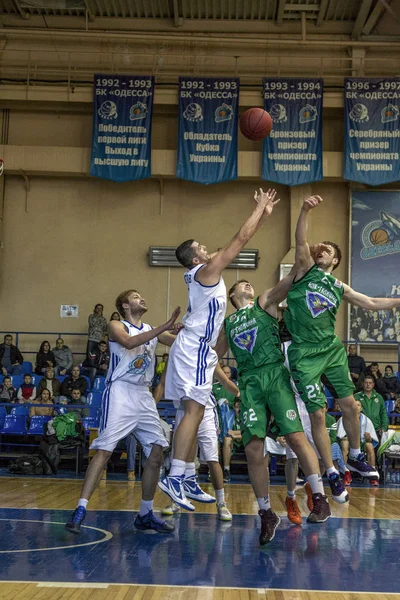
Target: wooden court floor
(61,494)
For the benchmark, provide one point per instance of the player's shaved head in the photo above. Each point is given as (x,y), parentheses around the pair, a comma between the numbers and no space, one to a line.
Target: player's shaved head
(185,254)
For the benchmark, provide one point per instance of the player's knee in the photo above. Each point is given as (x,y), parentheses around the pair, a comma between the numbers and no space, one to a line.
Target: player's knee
(348,406)
(194,409)
(254,451)
(103,456)
(155,458)
(296,440)
(317,418)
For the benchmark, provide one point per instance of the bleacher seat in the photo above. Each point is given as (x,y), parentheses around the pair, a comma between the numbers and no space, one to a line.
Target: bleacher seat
(90,422)
(61,409)
(36,378)
(389,405)
(20,409)
(3,413)
(99,384)
(61,378)
(94,412)
(329,398)
(27,367)
(36,426)
(14,424)
(94,398)
(17,380)
(89,385)
(1,379)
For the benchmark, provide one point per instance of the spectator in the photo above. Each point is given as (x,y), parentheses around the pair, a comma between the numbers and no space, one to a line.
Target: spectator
(63,357)
(26,391)
(162,365)
(389,384)
(115,316)
(356,327)
(396,420)
(11,358)
(373,370)
(220,393)
(97,362)
(49,382)
(356,365)
(76,398)
(75,381)
(232,443)
(44,358)
(97,329)
(8,393)
(42,411)
(369,439)
(373,405)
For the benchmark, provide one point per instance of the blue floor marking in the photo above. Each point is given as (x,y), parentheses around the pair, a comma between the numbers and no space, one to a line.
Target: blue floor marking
(339,555)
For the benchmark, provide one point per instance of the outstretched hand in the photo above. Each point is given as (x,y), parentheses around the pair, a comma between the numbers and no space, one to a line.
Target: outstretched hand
(311,202)
(266,200)
(171,321)
(176,328)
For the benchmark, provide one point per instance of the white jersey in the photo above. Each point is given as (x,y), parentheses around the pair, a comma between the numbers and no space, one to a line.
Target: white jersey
(133,366)
(206,310)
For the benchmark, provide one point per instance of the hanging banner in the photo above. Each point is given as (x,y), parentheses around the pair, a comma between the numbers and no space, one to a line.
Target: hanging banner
(375,259)
(121,141)
(372,130)
(208,126)
(292,154)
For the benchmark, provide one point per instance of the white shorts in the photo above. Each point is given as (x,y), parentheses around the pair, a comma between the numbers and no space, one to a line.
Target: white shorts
(127,408)
(190,371)
(207,435)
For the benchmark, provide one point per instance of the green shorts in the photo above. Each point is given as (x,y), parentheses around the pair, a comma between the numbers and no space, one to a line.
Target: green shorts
(265,392)
(309,363)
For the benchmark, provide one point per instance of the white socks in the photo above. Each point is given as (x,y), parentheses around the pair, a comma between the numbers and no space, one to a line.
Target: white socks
(220,495)
(291,494)
(315,482)
(190,470)
(331,471)
(145,507)
(264,503)
(178,468)
(83,502)
(354,452)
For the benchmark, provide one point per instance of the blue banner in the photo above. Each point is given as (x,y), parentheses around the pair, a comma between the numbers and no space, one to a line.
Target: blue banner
(121,142)
(375,259)
(292,154)
(208,126)
(372,130)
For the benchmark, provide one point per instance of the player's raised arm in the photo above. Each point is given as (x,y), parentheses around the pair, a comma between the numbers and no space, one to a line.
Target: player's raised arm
(367,302)
(210,274)
(118,333)
(279,292)
(222,346)
(304,259)
(225,381)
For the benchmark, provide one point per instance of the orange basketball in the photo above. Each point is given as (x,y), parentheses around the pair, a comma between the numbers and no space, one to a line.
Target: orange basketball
(255,124)
(379,237)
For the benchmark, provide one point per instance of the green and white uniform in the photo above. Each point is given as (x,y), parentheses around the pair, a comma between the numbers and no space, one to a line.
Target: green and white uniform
(264,382)
(313,302)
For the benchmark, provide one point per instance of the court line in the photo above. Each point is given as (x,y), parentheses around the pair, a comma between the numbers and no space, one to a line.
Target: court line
(107,536)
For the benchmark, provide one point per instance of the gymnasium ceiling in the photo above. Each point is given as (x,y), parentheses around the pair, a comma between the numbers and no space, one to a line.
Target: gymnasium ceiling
(351,19)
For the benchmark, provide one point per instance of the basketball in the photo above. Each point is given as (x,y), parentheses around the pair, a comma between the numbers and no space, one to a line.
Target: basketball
(379,237)
(255,124)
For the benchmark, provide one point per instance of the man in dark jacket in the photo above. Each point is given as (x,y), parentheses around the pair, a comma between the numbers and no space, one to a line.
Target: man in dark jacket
(97,362)
(357,365)
(11,358)
(74,382)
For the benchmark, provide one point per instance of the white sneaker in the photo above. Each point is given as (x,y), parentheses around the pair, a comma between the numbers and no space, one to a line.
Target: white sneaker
(223,512)
(170,510)
(194,492)
(172,486)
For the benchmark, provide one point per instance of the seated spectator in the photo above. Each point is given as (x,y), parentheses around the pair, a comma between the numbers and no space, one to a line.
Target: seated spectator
(396,420)
(26,391)
(162,364)
(356,364)
(97,329)
(389,384)
(42,411)
(44,358)
(373,369)
(11,358)
(232,443)
(373,405)
(63,357)
(76,398)
(369,439)
(115,316)
(75,381)
(96,365)
(8,393)
(49,382)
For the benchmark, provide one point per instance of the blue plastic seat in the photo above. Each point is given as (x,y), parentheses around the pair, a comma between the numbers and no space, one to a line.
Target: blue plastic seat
(329,398)
(99,384)
(14,424)
(94,413)
(61,378)
(20,409)
(89,385)
(27,367)
(389,405)
(17,380)
(90,422)
(1,378)
(36,426)
(94,398)
(36,379)
(3,413)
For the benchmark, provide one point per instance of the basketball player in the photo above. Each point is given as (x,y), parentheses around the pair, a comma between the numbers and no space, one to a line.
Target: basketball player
(207,440)
(252,334)
(128,406)
(313,302)
(192,358)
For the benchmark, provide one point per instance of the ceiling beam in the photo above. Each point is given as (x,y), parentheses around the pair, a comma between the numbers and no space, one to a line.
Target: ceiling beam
(322,12)
(361,18)
(281,10)
(22,13)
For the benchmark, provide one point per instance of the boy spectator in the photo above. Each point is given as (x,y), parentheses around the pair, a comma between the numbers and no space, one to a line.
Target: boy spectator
(97,362)
(11,358)
(26,391)
(373,405)
(42,411)
(76,398)
(8,393)
(49,382)
(63,357)
(389,384)
(357,365)
(232,442)
(75,381)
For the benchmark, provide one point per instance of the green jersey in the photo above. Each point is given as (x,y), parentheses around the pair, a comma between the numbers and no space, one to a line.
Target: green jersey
(253,337)
(331,425)
(313,302)
(220,392)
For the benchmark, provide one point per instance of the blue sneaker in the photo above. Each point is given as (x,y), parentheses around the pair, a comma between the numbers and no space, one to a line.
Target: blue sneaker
(362,467)
(172,486)
(194,492)
(339,493)
(76,519)
(149,521)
